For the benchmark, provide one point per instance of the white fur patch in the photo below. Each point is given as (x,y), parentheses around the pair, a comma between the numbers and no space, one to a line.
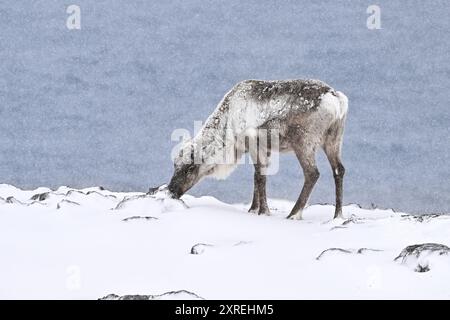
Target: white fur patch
(343,103)
(251,133)
(335,105)
(222,171)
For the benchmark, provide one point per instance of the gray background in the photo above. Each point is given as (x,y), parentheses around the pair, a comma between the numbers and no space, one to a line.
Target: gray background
(97,106)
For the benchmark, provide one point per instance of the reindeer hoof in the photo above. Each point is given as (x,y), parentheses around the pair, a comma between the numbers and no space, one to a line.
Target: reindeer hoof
(338,214)
(264,212)
(253,210)
(297,216)
(155,190)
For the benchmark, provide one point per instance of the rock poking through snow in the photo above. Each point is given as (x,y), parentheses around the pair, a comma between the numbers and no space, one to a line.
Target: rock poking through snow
(171,295)
(139,218)
(64,203)
(352,219)
(345,251)
(142,203)
(40,196)
(422,257)
(424,217)
(199,248)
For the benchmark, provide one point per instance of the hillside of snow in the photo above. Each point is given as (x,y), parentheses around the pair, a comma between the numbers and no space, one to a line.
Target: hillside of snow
(93,243)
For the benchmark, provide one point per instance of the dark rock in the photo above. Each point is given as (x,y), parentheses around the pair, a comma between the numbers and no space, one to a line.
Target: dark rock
(167,201)
(338,227)
(152,191)
(357,205)
(171,295)
(346,251)
(423,217)
(331,250)
(417,255)
(12,200)
(101,194)
(418,249)
(362,250)
(70,192)
(124,201)
(139,218)
(199,248)
(352,219)
(424,268)
(241,243)
(40,196)
(58,206)
(110,296)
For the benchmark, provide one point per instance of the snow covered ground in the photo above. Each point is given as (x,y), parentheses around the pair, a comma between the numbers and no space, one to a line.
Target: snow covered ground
(89,243)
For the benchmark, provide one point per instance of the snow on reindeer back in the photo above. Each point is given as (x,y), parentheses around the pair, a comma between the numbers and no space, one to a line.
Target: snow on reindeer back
(158,200)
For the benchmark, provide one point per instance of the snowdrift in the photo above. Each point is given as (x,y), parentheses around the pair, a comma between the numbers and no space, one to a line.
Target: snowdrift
(94,243)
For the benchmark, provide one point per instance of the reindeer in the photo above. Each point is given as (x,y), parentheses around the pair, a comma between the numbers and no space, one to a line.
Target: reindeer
(305,114)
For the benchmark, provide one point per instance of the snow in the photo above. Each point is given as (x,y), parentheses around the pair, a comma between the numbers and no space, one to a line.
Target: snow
(92,247)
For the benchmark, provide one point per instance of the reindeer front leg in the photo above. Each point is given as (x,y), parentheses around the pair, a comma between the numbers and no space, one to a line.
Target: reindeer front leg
(254,208)
(259,203)
(257,147)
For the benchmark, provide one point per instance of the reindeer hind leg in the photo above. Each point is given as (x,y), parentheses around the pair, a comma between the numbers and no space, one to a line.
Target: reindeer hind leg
(307,159)
(332,148)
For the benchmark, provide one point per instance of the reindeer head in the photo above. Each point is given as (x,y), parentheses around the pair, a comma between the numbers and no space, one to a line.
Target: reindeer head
(188,170)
